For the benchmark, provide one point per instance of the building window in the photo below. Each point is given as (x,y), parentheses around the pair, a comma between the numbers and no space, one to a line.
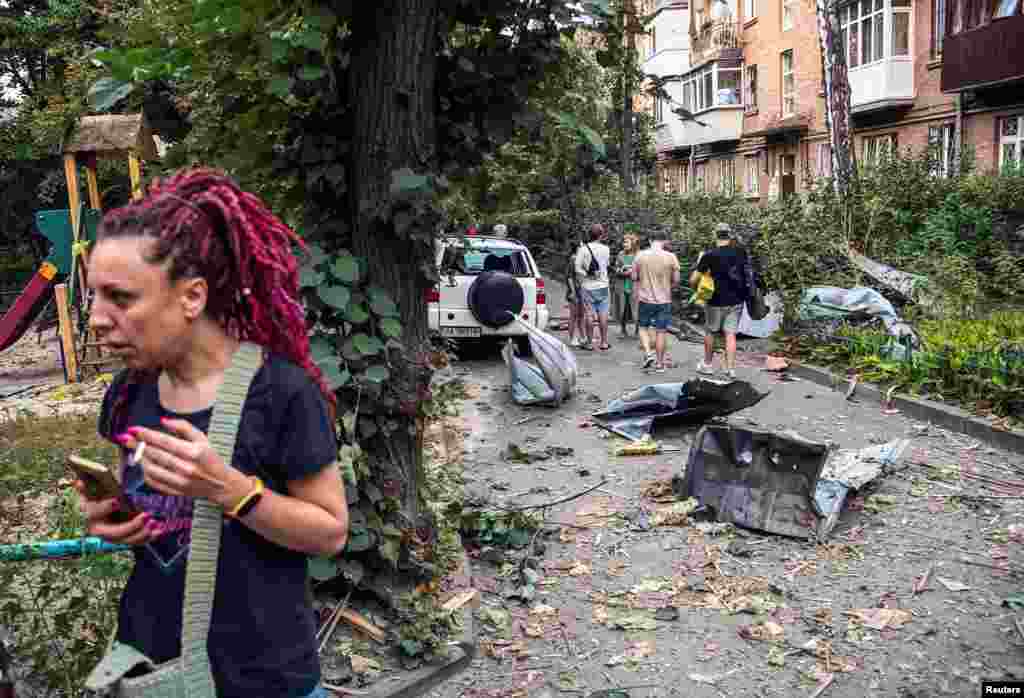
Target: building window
(749,9)
(962,15)
(750,88)
(788,14)
(900,28)
(788,84)
(659,110)
(727,178)
(652,47)
(711,86)
(1011,141)
(876,149)
(700,176)
(751,180)
(1008,8)
(938,25)
(823,164)
(942,148)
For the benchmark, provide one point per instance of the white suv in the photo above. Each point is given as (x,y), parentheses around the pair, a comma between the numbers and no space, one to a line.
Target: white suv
(484,281)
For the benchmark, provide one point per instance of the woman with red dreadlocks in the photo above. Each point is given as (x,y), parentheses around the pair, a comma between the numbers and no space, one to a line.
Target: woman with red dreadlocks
(181,278)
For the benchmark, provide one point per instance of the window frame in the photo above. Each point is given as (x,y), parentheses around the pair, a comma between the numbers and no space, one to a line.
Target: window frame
(751,175)
(823,159)
(942,136)
(695,88)
(750,89)
(792,75)
(1016,140)
(789,8)
(882,46)
(938,26)
(750,10)
(870,151)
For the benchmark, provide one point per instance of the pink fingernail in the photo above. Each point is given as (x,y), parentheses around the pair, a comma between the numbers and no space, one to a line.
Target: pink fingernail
(122,439)
(134,431)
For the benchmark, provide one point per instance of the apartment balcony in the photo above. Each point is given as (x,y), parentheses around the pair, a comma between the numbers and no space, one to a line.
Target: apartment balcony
(885,84)
(721,124)
(716,40)
(984,56)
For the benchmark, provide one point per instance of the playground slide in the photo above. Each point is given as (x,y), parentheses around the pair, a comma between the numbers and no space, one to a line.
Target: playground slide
(28,306)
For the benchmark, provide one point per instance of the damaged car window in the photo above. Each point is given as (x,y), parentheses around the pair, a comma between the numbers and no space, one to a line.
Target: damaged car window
(472,261)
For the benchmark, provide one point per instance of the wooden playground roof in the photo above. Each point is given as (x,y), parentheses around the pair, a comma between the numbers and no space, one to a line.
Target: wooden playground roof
(112,135)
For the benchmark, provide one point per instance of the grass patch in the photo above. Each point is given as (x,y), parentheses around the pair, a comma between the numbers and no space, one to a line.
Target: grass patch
(34,450)
(978,363)
(60,612)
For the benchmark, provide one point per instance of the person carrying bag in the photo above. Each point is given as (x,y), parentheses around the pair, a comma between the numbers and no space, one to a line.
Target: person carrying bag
(189,676)
(228,474)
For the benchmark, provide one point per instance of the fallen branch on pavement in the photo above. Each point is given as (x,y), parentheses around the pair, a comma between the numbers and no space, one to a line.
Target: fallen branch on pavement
(557,501)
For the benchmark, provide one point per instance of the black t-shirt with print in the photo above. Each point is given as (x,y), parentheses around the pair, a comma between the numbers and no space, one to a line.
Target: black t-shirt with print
(726,267)
(262,635)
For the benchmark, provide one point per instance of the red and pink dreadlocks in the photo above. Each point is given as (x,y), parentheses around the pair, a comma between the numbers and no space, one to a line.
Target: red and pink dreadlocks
(205,226)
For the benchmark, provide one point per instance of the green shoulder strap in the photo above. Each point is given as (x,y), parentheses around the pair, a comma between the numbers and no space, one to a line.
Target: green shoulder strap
(207,521)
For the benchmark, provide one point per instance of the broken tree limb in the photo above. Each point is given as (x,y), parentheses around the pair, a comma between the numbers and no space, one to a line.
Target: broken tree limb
(557,501)
(824,685)
(356,620)
(459,600)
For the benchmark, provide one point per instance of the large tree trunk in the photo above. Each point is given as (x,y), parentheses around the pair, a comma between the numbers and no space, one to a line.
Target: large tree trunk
(392,103)
(837,96)
(627,96)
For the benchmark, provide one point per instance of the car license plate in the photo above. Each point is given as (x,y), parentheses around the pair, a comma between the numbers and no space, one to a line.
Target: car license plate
(461,332)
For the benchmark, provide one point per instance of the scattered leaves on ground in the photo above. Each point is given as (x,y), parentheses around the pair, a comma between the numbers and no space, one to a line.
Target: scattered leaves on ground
(674,514)
(768,631)
(879,618)
(659,491)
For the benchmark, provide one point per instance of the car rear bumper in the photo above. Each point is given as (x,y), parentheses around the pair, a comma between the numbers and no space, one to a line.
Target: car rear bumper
(463,318)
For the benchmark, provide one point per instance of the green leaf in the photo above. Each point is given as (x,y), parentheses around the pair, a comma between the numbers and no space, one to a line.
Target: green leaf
(322,568)
(346,269)
(391,327)
(321,349)
(411,648)
(377,373)
(309,73)
(312,39)
(106,92)
(335,296)
(309,278)
(335,376)
(280,86)
(279,49)
(405,181)
(357,314)
(316,254)
(390,549)
(594,140)
(367,345)
(381,303)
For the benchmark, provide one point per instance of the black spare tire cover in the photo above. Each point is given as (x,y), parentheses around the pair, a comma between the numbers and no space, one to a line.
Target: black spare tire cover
(493,295)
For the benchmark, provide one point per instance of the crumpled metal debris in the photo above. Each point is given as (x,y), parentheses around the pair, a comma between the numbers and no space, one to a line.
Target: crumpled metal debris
(779,482)
(637,414)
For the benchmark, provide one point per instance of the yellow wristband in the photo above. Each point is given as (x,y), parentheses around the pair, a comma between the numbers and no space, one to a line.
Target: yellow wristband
(256,491)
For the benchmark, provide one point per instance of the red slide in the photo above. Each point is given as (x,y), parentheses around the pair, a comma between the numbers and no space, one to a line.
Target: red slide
(29,304)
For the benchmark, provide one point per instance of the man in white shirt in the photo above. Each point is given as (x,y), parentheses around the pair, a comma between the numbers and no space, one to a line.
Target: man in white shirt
(592,260)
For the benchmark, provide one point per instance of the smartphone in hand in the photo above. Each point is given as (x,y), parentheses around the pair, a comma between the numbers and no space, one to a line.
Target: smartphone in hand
(101,483)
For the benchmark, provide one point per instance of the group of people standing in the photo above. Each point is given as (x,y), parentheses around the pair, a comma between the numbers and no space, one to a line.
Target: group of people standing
(638,286)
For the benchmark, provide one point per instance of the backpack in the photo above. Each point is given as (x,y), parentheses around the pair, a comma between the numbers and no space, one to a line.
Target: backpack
(594,268)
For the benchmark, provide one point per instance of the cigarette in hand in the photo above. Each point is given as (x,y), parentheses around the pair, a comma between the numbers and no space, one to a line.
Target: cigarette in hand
(139,450)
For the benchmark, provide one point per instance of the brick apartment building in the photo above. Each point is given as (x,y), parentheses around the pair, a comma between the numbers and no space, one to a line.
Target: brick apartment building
(922,72)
